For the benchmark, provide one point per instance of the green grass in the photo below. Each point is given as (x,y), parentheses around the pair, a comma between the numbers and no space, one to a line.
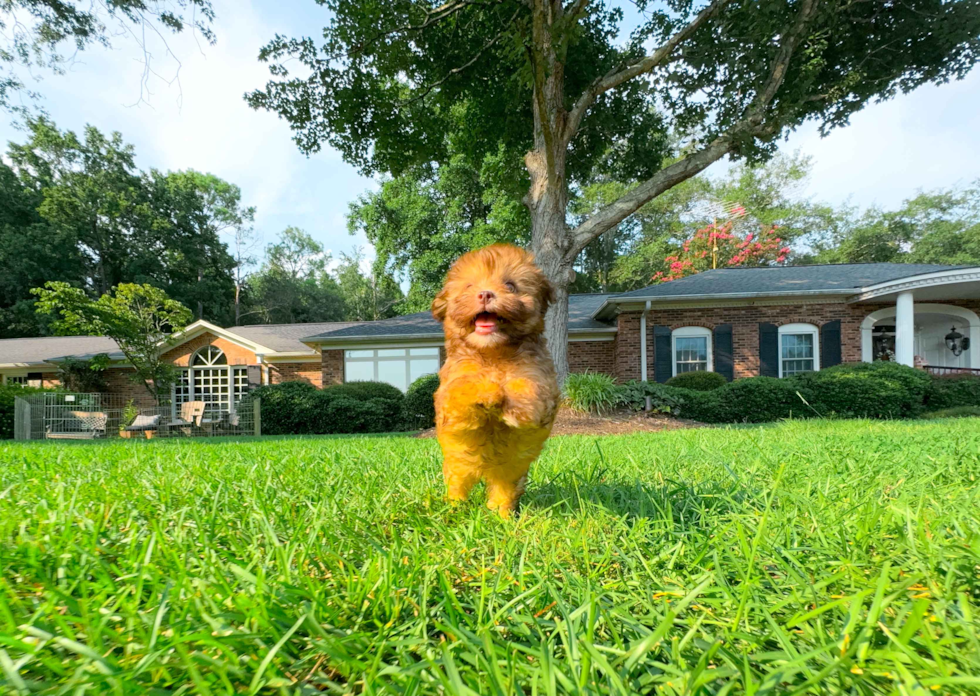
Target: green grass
(808,557)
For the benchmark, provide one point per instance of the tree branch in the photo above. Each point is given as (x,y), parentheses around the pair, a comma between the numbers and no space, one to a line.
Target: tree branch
(670,176)
(616,77)
(431,17)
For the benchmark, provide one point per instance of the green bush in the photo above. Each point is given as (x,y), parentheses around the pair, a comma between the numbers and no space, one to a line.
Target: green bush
(956,412)
(419,411)
(7,395)
(951,391)
(752,400)
(663,399)
(298,408)
(592,392)
(865,390)
(699,380)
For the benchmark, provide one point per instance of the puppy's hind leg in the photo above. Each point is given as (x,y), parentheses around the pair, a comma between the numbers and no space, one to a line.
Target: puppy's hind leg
(460,477)
(504,490)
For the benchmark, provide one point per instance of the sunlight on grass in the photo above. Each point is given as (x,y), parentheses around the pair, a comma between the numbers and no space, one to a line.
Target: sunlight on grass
(819,557)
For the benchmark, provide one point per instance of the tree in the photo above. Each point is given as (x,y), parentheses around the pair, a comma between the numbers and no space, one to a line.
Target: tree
(293,285)
(932,227)
(719,246)
(367,297)
(52,24)
(137,317)
(548,77)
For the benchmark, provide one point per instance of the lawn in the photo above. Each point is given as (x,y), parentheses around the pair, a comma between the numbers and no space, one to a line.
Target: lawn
(806,557)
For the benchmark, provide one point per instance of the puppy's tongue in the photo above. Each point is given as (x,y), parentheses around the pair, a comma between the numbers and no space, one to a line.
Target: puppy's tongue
(486,323)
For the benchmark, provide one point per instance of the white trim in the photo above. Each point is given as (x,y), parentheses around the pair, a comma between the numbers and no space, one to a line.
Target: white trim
(691,332)
(970,317)
(796,330)
(376,359)
(192,331)
(923,280)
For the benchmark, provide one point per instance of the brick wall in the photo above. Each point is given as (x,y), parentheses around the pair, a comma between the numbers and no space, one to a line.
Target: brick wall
(591,356)
(120,383)
(181,355)
(331,367)
(745,330)
(309,372)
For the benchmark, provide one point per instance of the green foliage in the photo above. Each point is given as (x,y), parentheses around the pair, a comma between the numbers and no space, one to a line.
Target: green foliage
(128,415)
(84,376)
(865,390)
(366,297)
(701,538)
(752,400)
(137,317)
(955,412)
(951,391)
(420,405)
(663,399)
(298,408)
(698,381)
(9,392)
(592,392)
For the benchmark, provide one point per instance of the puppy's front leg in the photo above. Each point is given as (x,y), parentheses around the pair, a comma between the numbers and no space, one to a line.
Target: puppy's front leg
(525,403)
(466,402)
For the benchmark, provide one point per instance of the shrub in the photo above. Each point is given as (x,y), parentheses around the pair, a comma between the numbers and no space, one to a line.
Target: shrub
(388,401)
(957,412)
(663,399)
(752,400)
(362,391)
(298,408)
(698,380)
(286,407)
(865,390)
(593,392)
(951,391)
(336,412)
(7,395)
(419,411)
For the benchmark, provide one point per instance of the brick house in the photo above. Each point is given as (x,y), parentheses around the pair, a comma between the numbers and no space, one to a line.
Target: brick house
(740,322)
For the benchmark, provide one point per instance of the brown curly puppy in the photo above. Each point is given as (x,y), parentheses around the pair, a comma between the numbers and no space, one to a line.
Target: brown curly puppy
(498,393)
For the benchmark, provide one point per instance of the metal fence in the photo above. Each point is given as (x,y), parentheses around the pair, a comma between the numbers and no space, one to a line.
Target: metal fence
(67,416)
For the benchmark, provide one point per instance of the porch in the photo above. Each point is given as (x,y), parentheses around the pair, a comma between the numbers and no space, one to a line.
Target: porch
(930,322)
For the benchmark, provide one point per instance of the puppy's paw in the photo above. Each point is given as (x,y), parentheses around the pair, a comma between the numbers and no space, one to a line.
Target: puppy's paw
(522,407)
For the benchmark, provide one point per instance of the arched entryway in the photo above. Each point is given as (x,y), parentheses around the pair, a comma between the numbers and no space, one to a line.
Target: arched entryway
(932,323)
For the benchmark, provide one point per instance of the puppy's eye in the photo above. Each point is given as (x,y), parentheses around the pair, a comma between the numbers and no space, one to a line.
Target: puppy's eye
(510,286)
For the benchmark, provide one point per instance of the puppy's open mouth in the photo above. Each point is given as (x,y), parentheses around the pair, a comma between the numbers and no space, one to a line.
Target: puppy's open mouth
(486,323)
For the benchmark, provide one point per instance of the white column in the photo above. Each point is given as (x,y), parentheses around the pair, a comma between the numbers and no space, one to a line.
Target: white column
(905,329)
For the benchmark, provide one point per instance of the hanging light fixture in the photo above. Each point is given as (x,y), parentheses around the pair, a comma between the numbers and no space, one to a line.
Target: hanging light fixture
(957,342)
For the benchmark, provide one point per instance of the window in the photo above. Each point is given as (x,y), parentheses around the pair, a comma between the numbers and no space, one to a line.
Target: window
(799,349)
(210,379)
(29,379)
(397,366)
(691,349)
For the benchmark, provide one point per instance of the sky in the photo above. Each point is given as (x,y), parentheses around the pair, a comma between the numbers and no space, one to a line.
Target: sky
(925,140)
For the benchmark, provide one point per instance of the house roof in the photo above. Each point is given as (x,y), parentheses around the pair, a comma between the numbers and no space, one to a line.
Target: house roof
(782,280)
(32,351)
(286,338)
(423,324)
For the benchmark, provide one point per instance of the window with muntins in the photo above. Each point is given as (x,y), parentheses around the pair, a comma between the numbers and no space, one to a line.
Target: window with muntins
(799,349)
(210,379)
(396,366)
(691,350)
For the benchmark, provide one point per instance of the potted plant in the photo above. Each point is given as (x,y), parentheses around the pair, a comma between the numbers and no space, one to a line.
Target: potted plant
(126,419)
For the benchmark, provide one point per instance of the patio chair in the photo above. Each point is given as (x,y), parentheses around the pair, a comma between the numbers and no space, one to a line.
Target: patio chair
(191,413)
(79,425)
(145,424)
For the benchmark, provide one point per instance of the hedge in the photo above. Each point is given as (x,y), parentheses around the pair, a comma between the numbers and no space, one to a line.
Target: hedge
(952,391)
(419,410)
(698,380)
(866,390)
(298,408)
(7,395)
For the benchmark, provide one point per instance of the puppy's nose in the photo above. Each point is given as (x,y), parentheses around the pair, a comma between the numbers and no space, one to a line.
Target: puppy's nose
(485,296)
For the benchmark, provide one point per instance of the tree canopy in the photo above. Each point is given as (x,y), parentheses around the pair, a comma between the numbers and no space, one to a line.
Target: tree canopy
(397,84)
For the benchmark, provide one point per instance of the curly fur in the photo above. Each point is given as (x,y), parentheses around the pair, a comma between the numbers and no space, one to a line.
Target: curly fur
(498,392)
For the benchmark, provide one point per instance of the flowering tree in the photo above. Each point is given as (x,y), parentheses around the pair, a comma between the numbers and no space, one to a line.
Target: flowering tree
(718,245)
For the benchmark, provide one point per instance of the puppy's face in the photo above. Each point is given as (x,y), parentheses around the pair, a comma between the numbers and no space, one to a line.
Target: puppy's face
(494,296)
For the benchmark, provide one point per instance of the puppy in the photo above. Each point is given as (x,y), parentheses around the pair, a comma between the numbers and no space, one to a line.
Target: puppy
(498,391)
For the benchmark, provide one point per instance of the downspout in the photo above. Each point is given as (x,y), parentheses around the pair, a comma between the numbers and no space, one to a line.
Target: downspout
(643,348)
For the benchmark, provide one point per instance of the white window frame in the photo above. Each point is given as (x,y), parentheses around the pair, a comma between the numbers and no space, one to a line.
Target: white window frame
(690,332)
(235,375)
(22,375)
(407,356)
(797,330)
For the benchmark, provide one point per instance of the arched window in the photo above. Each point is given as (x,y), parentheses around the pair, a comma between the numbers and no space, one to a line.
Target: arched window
(799,349)
(691,350)
(210,379)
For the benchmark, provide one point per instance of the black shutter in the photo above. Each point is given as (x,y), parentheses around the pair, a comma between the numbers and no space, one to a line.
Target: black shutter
(723,357)
(768,350)
(254,376)
(662,359)
(830,348)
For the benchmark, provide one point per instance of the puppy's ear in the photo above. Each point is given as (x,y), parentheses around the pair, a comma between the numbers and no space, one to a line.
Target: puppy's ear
(547,294)
(440,305)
